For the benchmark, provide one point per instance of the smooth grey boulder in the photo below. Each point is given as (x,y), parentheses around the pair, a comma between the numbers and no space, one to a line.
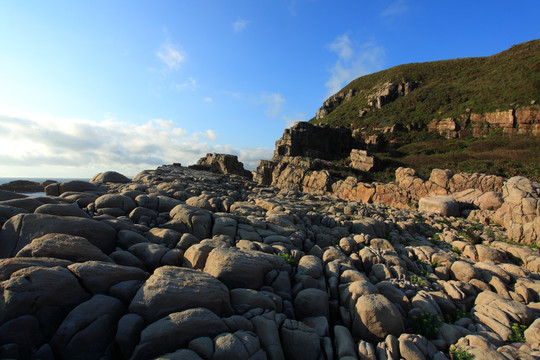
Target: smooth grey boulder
(47,293)
(97,276)
(21,229)
(10,265)
(62,210)
(375,317)
(240,345)
(173,289)
(62,246)
(128,333)
(88,329)
(23,331)
(115,201)
(28,203)
(243,300)
(310,303)
(268,332)
(300,341)
(8,195)
(176,330)
(197,221)
(241,268)
(442,205)
(7,212)
(110,177)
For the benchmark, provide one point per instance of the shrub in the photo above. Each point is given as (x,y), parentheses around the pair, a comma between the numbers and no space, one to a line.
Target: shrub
(426,324)
(456,250)
(422,268)
(457,353)
(417,280)
(518,333)
(288,258)
(458,314)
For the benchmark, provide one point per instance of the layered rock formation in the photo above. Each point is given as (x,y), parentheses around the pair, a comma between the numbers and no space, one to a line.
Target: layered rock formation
(187,264)
(379,96)
(523,120)
(315,141)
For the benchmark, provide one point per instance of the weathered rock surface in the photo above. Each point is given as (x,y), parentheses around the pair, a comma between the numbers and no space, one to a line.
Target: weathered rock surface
(21,229)
(172,289)
(181,263)
(223,164)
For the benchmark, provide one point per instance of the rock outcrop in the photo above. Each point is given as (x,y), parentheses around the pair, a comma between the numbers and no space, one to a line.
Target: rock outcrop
(304,139)
(522,120)
(378,97)
(223,164)
(187,264)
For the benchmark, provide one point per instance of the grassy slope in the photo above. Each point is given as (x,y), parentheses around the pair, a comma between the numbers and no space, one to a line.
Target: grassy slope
(447,88)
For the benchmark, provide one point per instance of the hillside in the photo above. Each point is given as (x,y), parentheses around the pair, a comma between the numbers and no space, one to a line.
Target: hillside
(440,89)
(450,93)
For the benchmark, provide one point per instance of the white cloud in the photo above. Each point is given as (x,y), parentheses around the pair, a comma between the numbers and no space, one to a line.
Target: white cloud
(170,54)
(353,61)
(208,99)
(342,46)
(274,103)
(396,8)
(189,84)
(239,25)
(41,145)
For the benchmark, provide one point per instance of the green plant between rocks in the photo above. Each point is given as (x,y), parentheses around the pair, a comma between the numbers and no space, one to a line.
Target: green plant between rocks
(288,258)
(518,333)
(458,314)
(426,324)
(423,269)
(415,279)
(458,353)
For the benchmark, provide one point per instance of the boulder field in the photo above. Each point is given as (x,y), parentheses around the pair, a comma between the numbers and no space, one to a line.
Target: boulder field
(180,263)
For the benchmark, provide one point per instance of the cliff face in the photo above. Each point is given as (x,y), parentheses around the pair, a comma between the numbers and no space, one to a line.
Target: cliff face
(379,96)
(524,120)
(315,141)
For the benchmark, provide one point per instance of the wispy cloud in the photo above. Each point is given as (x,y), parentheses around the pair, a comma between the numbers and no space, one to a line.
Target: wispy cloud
(353,61)
(239,25)
(274,103)
(396,8)
(189,84)
(40,144)
(170,55)
(208,99)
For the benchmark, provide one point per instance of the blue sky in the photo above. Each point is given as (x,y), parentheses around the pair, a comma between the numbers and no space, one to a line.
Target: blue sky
(115,85)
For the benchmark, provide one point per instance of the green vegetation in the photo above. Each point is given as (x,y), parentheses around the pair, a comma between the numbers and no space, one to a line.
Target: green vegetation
(415,279)
(503,238)
(457,353)
(423,269)
(445,89)
(518,333)
(288,258)
(458,314)
(426,324)
(449,89)
(495,154)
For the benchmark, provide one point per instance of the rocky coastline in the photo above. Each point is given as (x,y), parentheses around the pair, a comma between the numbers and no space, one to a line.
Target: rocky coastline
(183,263)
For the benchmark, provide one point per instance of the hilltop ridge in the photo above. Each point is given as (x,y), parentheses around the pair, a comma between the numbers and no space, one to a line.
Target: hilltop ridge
(415,94)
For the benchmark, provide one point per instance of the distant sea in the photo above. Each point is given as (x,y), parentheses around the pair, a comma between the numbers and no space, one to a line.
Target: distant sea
(5,180)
